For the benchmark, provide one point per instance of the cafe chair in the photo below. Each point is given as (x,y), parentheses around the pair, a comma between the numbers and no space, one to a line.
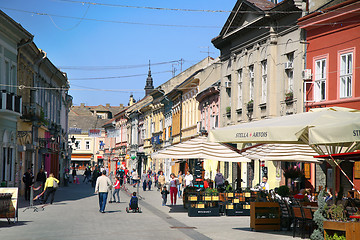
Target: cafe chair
(299,221)
(308,220)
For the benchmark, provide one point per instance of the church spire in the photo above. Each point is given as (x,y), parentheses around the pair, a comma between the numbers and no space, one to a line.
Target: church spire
(149,83)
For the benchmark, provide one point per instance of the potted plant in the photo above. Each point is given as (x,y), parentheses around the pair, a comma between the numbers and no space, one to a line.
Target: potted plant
(250,105)
(289,96)
(283,191)
(228,110)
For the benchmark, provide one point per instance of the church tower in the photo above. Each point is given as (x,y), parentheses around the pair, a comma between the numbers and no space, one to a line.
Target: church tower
(149,83)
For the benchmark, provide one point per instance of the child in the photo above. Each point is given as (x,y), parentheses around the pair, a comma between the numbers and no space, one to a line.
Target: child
(164,194)
(134,202)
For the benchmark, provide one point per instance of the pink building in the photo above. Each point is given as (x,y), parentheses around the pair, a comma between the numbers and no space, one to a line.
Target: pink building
(209,107)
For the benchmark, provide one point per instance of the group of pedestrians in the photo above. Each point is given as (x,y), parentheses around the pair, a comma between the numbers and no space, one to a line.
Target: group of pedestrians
(176,185)
(47,186)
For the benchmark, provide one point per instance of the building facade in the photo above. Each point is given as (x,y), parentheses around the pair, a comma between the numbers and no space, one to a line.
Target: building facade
(331,77)
(262,57)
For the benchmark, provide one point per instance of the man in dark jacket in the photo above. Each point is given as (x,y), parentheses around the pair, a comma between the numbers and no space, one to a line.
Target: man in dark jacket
(28,179)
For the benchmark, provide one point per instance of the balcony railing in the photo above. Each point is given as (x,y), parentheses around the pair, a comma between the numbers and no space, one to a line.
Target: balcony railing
(11,102)
(31,111)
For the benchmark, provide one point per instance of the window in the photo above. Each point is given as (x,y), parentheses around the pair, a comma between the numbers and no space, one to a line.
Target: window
(240,80)
(320,80)
(87,145)
(251,82)
(289,71)
(228,89)
(77,144)
(152,127)
(263,81)
(346,69)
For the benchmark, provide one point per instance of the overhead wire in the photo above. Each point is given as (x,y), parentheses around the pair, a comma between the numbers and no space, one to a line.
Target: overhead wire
(184,9)
(114,77)
(115,67)
(169,25)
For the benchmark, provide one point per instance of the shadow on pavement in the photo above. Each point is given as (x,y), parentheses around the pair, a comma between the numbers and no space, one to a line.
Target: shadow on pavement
(177,209)
(114,211)
(4,223)
(72,192)
(274,232)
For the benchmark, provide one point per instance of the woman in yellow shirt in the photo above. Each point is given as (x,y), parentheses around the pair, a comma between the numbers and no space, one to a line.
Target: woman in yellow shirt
(49,188)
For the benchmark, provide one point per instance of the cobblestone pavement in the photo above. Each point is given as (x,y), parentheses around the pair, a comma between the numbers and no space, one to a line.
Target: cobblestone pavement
(75,215)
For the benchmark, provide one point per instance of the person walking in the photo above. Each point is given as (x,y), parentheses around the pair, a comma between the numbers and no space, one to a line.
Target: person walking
(164,194)
(28,179)
(95,175)
(50,188)
(73,174)
(144,179)
(180,182)
(87,175)
(219,179)
(173,188)
(161,181)
(41,179)
(103,184)
(188,179)
(116,186)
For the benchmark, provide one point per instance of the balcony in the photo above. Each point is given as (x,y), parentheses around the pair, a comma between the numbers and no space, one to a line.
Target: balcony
(10,103)
(31,111)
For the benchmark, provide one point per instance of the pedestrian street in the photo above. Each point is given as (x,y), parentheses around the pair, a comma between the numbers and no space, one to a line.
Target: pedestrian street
(75,215)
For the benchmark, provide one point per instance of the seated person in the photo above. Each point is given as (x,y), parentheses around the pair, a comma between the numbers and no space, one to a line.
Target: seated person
(300,195)
(228,187)
(134,202)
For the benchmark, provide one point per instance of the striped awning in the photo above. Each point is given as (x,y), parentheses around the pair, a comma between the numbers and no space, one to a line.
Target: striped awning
(282,152)
(200,148)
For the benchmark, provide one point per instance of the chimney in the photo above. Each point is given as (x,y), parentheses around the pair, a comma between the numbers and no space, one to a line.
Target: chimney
(131,101)
(82,104)
(108,105)
(121,105)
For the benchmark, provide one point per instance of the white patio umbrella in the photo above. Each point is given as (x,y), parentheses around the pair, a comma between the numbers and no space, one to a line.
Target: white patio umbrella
(200,148)
(327,126)
(282,152)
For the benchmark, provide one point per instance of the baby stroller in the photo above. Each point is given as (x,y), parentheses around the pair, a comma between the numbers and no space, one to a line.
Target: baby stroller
(133,206)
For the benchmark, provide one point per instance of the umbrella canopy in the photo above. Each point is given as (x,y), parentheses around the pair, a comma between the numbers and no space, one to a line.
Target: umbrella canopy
(282,152)
(320,126)
(200,148)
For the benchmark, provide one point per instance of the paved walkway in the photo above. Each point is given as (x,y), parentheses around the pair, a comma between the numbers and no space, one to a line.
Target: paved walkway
(75,215)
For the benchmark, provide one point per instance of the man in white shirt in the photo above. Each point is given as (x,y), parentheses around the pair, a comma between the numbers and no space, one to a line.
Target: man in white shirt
(264,186)
(103,184)
(188,179)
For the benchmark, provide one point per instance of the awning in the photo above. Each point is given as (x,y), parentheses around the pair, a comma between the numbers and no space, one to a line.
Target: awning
(200,148)
(80,159)
(333,125)
(282,152)
(355,156)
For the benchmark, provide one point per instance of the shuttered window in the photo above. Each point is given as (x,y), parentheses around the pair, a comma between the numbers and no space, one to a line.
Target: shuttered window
(357,169)
(307,170)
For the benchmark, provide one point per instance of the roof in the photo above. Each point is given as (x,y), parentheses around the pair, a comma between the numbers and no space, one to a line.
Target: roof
(262,4)
(86,122)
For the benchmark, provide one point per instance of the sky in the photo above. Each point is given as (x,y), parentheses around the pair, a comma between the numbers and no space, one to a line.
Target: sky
(105,46)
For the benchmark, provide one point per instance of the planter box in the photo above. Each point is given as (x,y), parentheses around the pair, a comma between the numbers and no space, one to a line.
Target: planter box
(351,229)
(229,195)
(193,199)
(204,212)
(215,198)
(265,216)
(237,212)
(207,198)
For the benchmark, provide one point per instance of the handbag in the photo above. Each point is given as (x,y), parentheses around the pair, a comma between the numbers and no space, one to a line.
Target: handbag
(55,184)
